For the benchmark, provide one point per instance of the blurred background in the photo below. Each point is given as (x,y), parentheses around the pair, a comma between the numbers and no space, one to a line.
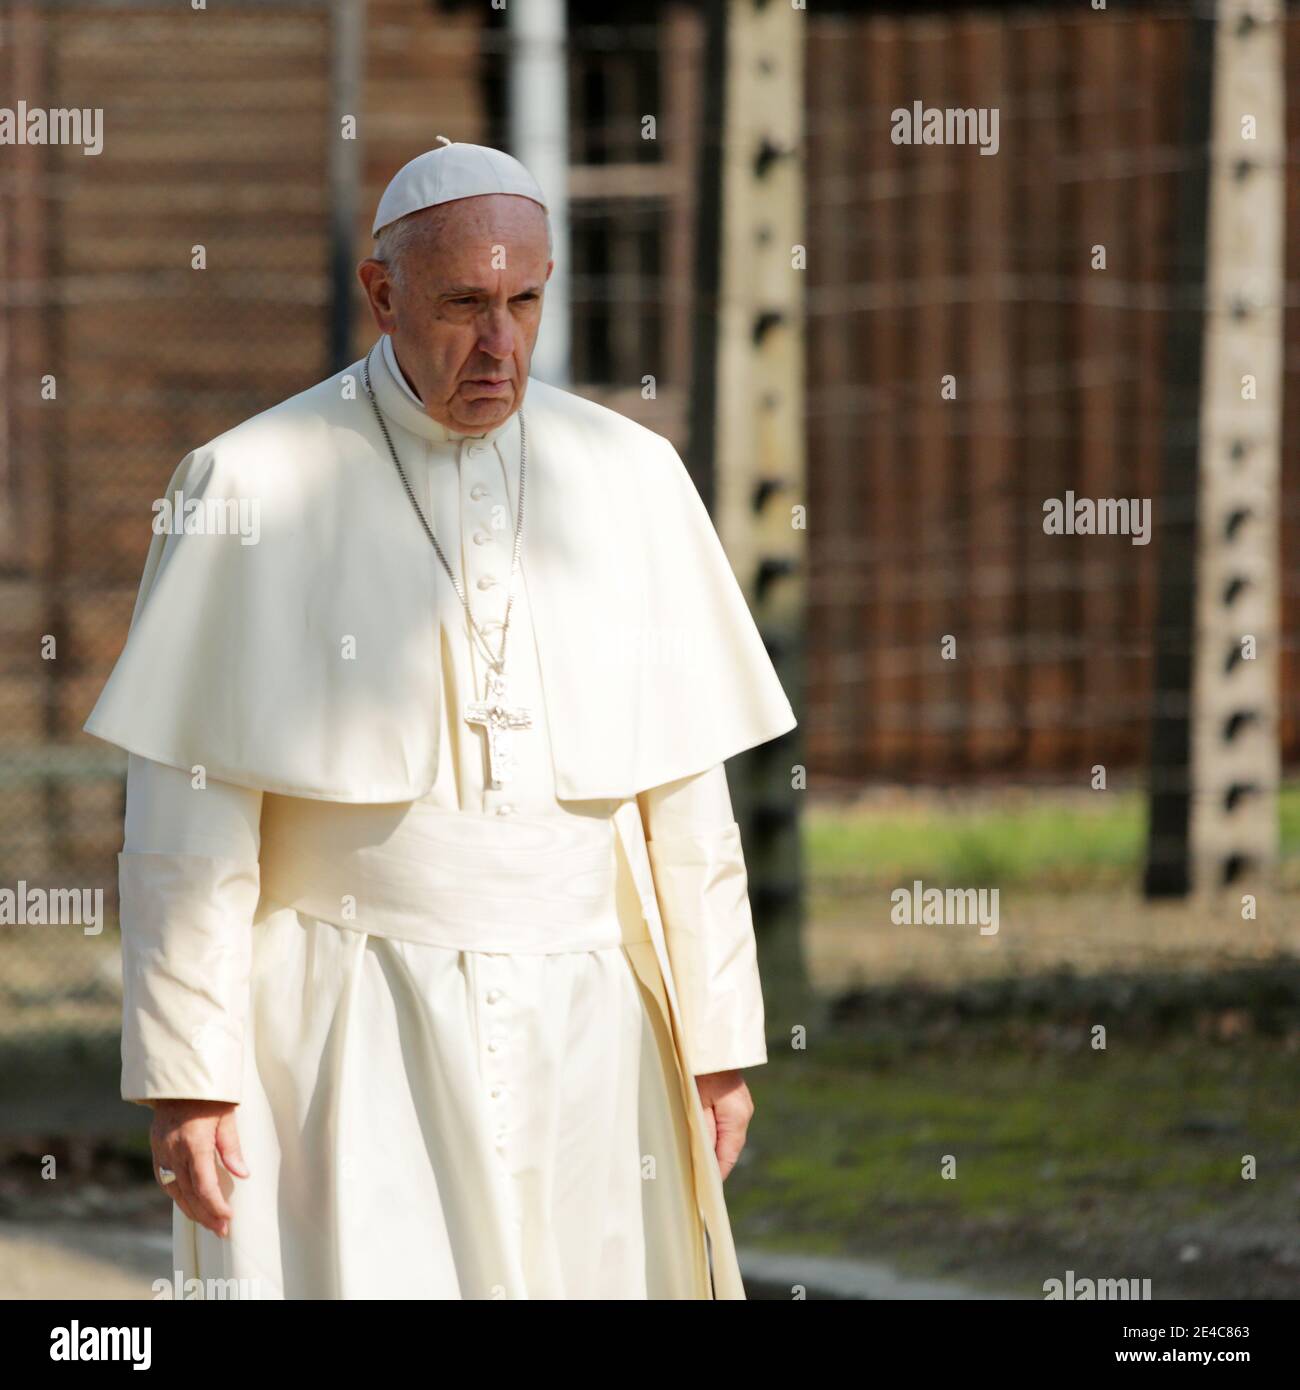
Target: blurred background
(880,357)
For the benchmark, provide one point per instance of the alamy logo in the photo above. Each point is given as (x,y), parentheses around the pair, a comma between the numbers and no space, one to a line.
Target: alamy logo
(212,1289)
(1098,516)
(1124,1290)
(677,648)
(946,125)
(179,515)
(53,907)
(77,1343)
(24,125)
(945,907)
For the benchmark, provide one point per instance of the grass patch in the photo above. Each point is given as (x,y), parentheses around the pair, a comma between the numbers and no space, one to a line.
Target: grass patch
(1063,1155)
(1051,839)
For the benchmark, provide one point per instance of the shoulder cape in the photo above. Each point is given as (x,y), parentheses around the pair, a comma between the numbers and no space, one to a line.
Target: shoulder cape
(307,664)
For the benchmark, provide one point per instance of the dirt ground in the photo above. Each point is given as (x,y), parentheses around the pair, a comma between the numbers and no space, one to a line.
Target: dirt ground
(80,1261)
(943,1039)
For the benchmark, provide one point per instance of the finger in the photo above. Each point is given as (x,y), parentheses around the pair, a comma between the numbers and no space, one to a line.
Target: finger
(187,1192)
(228,1147)
(180,1191)
(728,1149)
(214,1210)
(163,1157)
(711,1121)
(186,1209)
(172,1189)
(733,1125)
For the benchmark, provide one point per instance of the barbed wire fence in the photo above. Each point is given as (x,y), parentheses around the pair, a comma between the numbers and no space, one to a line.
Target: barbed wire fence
(925,515)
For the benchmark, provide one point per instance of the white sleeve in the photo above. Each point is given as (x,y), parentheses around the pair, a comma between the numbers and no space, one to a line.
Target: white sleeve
(167,814)
(188,883)
(702,886)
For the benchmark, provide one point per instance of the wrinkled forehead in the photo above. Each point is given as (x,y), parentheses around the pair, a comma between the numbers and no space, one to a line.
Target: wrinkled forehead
(475,229)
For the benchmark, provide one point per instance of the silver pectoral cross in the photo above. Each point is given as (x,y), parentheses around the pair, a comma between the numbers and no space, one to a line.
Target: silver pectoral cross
(498,717)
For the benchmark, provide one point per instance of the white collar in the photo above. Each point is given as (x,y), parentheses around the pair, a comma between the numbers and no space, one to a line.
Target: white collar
(390,357)
(398,400)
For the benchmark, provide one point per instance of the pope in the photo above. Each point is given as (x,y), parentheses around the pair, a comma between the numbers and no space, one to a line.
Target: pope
(439,967)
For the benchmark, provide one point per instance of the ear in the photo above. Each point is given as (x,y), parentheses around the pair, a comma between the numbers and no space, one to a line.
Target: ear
(378,285)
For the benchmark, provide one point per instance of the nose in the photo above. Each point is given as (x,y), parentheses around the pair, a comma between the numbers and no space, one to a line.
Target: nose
(497,338)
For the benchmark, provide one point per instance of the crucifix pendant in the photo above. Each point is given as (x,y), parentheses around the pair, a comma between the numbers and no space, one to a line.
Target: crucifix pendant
(498,717)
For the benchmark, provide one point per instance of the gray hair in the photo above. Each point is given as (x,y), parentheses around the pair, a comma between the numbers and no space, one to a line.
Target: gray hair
(397,238)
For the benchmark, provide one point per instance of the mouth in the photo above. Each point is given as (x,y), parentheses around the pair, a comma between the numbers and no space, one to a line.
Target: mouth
(489,383)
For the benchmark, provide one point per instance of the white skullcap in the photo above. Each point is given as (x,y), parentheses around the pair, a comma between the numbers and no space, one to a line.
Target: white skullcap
(452,171)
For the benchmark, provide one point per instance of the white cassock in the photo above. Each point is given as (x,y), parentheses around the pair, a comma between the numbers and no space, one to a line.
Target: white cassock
(461,1023)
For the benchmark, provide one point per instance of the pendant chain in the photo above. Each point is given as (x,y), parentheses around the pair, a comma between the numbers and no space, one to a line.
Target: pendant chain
(496,662)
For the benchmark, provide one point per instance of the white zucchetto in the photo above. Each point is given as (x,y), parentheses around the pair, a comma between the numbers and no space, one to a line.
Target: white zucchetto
(453,170)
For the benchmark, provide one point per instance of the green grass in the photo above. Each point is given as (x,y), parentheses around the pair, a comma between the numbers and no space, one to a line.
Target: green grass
(1062,1157)
(1114,1164)
(1022,838)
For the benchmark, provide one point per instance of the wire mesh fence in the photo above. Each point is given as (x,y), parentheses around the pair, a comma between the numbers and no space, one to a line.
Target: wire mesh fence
(925,513)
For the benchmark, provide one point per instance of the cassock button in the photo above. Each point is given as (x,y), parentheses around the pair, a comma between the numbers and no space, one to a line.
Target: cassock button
(481,538)
(494,1045)
(486,582)
(506,810)
(495,1092)
(493,995)
(476,450)
(477,493)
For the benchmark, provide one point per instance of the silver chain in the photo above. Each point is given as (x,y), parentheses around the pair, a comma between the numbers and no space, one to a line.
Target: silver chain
(498,661)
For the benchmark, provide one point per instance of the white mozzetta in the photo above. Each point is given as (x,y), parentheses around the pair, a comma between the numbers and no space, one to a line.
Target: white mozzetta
(306,663)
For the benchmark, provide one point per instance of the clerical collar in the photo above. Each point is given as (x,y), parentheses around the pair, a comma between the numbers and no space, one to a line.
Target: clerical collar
(399,376)
(397,400)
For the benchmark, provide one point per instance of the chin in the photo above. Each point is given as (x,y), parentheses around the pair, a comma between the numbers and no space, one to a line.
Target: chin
(496,408)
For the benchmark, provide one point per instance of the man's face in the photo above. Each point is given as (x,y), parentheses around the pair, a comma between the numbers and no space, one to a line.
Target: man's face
(465,316)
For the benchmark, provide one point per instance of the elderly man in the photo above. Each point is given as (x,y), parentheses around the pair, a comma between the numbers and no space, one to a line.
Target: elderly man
(439,967)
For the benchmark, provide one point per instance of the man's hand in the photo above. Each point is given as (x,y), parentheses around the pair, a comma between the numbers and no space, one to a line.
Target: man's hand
(728,1107)
(188,1136)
